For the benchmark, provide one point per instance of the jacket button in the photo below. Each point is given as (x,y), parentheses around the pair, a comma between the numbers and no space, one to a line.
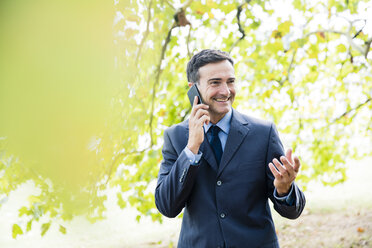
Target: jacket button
(222,215)
(219,183)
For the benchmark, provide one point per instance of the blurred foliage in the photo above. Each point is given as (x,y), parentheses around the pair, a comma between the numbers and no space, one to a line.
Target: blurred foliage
(56,82)
(307,68)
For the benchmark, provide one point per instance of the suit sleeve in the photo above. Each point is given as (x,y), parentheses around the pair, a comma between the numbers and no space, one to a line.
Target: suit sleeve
(275,150)
(175,179)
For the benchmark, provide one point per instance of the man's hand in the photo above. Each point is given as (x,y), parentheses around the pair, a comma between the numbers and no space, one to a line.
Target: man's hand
(285,173)
(199,115)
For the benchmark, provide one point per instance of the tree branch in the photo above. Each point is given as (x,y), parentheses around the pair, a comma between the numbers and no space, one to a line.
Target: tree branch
(241,29)
(158,72)
(326,31)
(179,20)
(291,64)
(368,46)
(351,110)
(169,4)
(349,38)
(190,26)
(281,82)
(145,34)
(157,79)
(186,4)
(188,43)
(360,30)
(120,155)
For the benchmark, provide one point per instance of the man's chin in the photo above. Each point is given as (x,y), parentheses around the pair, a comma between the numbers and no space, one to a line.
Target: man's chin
(221,111)
(224,107)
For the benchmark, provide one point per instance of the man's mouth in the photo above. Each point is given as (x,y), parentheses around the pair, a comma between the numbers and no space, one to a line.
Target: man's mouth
(222,99)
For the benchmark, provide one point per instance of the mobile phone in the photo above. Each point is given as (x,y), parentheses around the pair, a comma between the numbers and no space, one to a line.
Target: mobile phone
(193,91)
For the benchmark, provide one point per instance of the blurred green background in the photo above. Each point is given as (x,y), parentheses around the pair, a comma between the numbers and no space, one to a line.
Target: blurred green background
(56,74)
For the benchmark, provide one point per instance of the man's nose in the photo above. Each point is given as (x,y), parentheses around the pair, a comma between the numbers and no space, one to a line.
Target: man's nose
(224,89)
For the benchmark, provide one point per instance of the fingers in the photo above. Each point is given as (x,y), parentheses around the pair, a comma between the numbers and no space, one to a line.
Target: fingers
(274,171)
(283,171)
(197,106)
(201,117)
(294,163)
(288,155)
(205,119)
(288,166)
(200,112)
(297,164)
(195,101)
(193,110)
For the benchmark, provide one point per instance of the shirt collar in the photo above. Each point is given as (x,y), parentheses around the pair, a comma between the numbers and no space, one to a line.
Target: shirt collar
(223,124)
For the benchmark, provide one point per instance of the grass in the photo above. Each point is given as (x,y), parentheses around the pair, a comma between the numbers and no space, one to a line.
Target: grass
(342,228)
(334,217)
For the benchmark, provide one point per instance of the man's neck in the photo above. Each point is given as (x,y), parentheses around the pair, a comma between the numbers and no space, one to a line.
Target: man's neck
(215,119)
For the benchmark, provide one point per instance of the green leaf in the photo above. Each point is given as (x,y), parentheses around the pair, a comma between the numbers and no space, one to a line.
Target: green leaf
(298,4)
(138,218)
(29,226)
(298,43)
(44,228)
(284,27)
(341,48)
(16,230)
(33,199)
(62,229)
(255,24)
(121,202)
(22,211)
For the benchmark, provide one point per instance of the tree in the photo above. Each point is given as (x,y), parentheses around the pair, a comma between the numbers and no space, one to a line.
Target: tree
(306,65)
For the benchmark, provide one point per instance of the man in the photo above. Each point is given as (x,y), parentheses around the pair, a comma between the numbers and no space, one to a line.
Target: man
(219,166)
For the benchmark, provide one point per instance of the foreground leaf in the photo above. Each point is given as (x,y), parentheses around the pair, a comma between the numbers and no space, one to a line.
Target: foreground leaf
(16,230)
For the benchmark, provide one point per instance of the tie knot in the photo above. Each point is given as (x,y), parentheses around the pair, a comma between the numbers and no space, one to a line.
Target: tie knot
(215,130)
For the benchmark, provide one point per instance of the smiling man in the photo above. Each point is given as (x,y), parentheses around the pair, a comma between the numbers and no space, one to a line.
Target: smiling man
(221,167)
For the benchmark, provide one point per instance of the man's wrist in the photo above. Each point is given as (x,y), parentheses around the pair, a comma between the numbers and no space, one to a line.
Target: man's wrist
(194,159)
(193,149)
(283,192)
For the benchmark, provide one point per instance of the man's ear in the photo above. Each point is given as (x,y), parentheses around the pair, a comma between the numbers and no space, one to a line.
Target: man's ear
(190,84)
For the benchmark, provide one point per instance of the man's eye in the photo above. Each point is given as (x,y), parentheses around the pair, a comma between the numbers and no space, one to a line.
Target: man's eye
(231,82)
(215,82)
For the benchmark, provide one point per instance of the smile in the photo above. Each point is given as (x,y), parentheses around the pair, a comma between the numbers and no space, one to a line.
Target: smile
(222,99)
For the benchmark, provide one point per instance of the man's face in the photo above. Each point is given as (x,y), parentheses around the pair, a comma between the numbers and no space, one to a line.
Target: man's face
(217,88)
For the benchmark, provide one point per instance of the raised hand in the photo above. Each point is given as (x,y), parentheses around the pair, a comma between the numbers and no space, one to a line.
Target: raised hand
(199,115)
(285,172)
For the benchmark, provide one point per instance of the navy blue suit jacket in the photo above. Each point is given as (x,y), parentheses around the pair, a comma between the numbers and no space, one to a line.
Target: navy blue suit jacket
(225,205)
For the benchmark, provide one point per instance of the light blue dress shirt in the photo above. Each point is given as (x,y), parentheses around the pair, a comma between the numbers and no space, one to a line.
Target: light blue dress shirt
(224,125)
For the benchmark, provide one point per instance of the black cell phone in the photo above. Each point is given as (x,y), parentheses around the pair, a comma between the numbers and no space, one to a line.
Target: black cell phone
(193,91)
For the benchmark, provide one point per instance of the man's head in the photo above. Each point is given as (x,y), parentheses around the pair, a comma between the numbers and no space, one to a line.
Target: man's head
(201,59)
(213,71)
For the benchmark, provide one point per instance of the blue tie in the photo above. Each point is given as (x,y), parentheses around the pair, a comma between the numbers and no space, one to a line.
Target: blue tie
(216,143)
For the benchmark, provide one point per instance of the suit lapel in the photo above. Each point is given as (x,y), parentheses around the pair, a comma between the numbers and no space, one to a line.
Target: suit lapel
(208,154)
(238,130)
